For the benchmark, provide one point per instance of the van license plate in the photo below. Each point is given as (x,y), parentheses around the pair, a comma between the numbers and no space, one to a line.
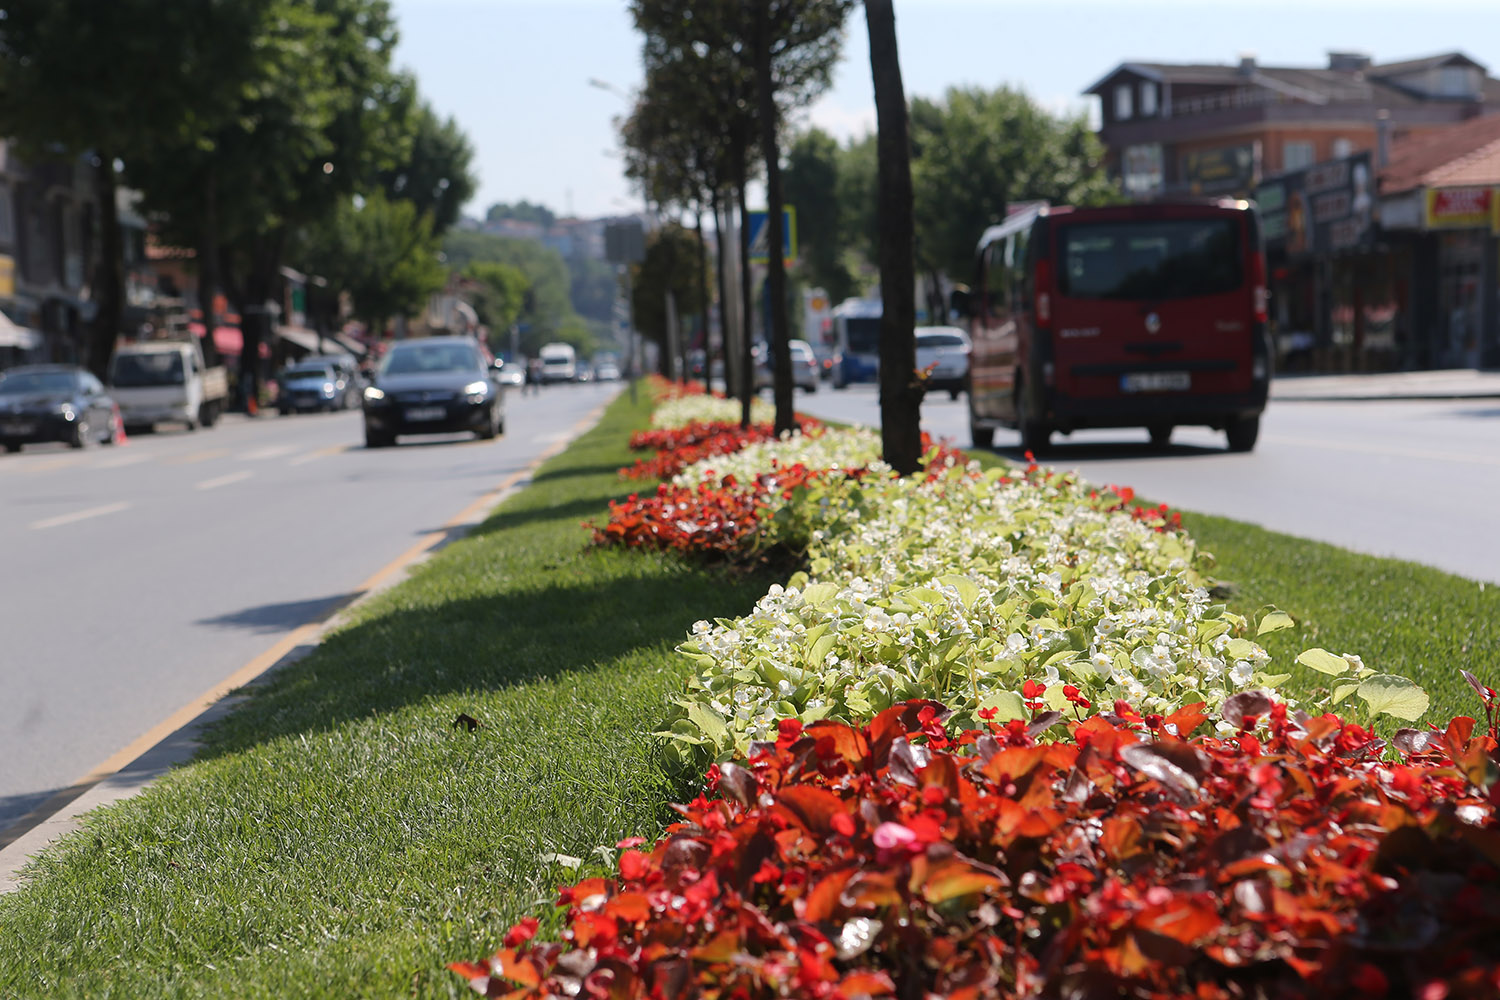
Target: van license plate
(1155,382)
(17,428)
(418,413)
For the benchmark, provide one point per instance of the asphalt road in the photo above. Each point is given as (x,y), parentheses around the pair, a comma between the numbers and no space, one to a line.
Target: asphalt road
(136,578)
(1415,480)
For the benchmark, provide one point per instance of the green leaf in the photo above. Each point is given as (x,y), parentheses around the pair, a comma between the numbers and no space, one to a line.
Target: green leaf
(1323,661)
(1008,705)
(968,590)
(1389,694)
(1344,689)
(1274,621)
(1241,649)
(817,594)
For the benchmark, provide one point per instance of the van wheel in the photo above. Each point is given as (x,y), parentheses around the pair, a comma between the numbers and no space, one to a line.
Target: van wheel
(1036,436)
(1242,432)
(1161,434)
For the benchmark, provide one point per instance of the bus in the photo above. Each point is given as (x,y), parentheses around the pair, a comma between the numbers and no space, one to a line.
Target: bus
(856,341)
(1147,315)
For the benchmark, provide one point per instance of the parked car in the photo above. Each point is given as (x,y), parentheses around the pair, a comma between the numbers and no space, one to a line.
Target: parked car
(436,385)
(606,367)
(943,352)
(55,403)
(804,366)
(313,385)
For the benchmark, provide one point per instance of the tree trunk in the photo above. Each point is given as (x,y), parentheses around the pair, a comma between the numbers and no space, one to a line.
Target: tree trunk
(770,151)
(900,392)
(109,279)
(747,303)
(725,340)
(208,267)
(708,345)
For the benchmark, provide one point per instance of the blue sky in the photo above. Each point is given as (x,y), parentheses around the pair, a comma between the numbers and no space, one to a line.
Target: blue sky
(515,72)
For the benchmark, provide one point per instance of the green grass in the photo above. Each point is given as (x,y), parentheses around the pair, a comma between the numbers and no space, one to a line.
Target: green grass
(339,837)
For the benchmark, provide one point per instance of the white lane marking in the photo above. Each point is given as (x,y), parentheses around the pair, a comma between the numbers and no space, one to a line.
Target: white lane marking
(1416,454)
(313,456)
(78,515)
(270,451)
(233,477)
(119,462)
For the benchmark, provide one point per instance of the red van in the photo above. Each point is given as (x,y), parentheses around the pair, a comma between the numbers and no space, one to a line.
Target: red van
(1147,315)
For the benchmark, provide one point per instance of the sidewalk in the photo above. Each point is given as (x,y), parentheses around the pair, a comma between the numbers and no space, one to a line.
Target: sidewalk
(1455,383)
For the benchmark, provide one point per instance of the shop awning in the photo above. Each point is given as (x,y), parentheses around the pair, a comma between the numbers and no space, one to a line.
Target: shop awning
(301,336)
(19,337)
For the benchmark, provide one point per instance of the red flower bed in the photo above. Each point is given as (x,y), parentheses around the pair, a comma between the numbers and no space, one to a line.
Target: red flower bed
(1123,860)
(678,447)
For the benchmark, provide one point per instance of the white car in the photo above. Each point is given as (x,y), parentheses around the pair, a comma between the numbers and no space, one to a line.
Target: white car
(804,366)
(943,352)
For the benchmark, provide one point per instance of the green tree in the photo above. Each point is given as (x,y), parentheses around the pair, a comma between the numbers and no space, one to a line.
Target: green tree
(547,312)
(521,211)
(499,295)
(437,175)
(976,151)
(794,45)
(383,253)
(669,267)
(810,183)
(76,75)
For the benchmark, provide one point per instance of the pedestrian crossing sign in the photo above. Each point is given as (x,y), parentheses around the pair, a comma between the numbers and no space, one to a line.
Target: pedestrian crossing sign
(759,234)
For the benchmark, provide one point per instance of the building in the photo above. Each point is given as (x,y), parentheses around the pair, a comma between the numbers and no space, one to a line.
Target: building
(1208,129)
(47,256)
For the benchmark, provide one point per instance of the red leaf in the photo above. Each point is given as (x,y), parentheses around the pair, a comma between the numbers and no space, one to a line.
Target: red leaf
(823,902)
(1187,719)
(814,807)
(843,741)
(956,877)
(1187,919)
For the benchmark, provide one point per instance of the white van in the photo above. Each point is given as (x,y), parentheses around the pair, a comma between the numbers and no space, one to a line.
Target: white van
(559,363)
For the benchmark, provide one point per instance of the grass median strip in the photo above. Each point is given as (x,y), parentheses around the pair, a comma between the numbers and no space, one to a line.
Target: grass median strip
(340,835)
(344,834)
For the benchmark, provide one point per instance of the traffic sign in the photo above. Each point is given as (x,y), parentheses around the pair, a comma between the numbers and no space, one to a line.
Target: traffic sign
(759,252)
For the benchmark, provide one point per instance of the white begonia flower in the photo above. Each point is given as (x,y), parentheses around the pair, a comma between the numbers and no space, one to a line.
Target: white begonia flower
(1241,672)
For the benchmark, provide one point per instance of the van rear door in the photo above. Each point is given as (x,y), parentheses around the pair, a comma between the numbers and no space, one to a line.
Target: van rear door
(1153,305)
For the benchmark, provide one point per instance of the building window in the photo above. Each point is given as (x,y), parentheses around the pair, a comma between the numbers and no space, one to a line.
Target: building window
(1141,169)
(1342,148)
(1148,100)
(1296,155)
(1122,102)
(1455,81)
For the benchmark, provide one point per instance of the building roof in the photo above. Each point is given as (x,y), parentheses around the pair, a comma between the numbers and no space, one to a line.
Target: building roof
(1312,84)
(1466,153)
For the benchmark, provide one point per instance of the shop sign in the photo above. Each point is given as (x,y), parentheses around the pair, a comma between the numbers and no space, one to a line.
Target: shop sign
(1228,170)
(1460,208)
(1323,208)
(7,277)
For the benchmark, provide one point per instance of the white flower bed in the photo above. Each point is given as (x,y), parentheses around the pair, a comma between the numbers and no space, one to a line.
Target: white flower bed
(683,410)
(960,590)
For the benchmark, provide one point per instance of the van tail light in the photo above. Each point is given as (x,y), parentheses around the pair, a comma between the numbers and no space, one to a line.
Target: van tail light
(1259,295)
(1043,292)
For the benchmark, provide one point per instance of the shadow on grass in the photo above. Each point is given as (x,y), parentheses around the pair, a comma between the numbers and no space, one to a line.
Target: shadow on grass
(573,472)
(573,512)
(545,620)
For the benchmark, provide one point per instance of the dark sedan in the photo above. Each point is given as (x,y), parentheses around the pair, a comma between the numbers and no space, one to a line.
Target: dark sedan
(54,403)
(436,385)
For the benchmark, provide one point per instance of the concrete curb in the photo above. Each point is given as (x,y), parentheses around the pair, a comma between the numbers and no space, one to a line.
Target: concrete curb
(63,812)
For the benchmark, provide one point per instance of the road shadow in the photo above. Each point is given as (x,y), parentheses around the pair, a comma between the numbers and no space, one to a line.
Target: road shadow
(1061,453)
(271,618)
(1476,413)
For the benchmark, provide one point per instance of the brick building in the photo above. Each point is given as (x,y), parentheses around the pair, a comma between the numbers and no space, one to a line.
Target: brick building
(1173,128)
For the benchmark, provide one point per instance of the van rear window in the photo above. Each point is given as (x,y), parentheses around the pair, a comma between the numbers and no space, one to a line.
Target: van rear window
(1160,259)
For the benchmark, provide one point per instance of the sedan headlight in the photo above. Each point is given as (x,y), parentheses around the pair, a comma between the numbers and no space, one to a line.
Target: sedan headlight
(328,388)
(475,392)
(373,395)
